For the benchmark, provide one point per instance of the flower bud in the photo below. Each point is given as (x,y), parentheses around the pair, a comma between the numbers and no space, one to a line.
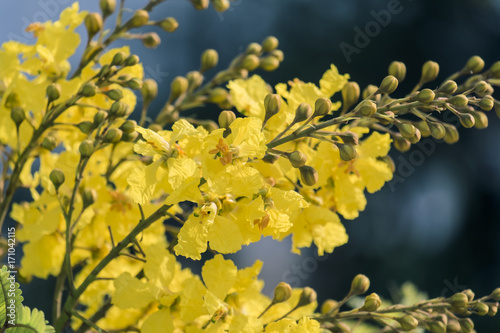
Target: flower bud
(474,65)
(449,87)
(425,96)
(270,158)
(350,94)
(200,4)
(89,196)
(57,178)
(93,23)
(430,71)
(209,59)
(372,303)
(17,115)
(480,119)
(307,296)
(132,60)
(487,103)
(400,143)
(495,295)
(388,85)
(99,117)
(438,131)
(226,118)
(466,324)
(218,95)
(423,127)
(470,294)
(128,126)
(480,309)
(282,292)
(151,40)
(297,159)
(53,92)
(86,148)
(328,306)
(466,119)
(178,87)
(459,100)
(140,18)
(269,63)
(347,152)
(451,135)
(114,94)
(458,300)
(367,108)
(416,138)
(149,91)
(221,5)
(118,59)
(250,62)
(303,112)
(308,175)
(195,79)
(369,90)
(493,309)
(322,107)
(88,90)
(437,327)
(272,105)
(134,83)
(278,54)
(453,326)
(359,285)
(107,7)
(480,87)
(113,135)
(408,323)
(269,44)
(129,137)
(169,24)
(49,143)
(398,70)
(407,130)
(12,100)
(85,127)
(254,48)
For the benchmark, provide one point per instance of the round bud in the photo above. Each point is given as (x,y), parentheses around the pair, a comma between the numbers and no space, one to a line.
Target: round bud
(350,94)
(151,40)
(57,178)
(322,107)
(493,310)
(140,18)
(93,23)
(307,296)
(487,103)
(480,309)
(118,59)
(99,117)
(297,159)
(458,300)
(423,127)
(254,48)
(328,306)
(308,175)
(416,138)
(114,94)
(303,112)
(132,60)
(218,95)
(449,87)
(453,326)
(178,87)
(200,4)
(430,71)
(278,54)
(408,323)
(369,90)
(451,135)
(437,327)
(85,127)
(53,92)
(129,137)
(269,63)
(113,135)
(438,131)
(474,65)
(495,294)
(270,158)
(107,7)
(134,83)
(221,5)
(398,70)
(209,59)
(49,143)
(425,96)
(372,303)
(367,108)
(466,324)
(128,126)
(466,119)
(12,100)
(272,105)
(359,285)
(282,292)
(459,100)
(400,143)
(250,62)
(347,152)
(149,91)
(480,119)
(17,115)
(86,148)
(407,130)
(470,294)
(169,24)
(88,90)
(388,85)
(269,44)
(480,87)
(195,79)
(89,196)
(226,118)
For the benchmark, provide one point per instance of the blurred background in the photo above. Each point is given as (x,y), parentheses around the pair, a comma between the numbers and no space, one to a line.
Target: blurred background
(438,223)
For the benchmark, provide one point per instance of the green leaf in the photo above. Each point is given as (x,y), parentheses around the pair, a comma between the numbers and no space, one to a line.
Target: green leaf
(10,297)
(30,321)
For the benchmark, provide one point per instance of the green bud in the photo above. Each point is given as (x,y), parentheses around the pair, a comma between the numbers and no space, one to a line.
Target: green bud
(425,96)
(86,148)
(178,87)
(372,303)
(480,309)
(89,196)
(226,118)
(107,7)
(423,127)
(437,327)
(118,109)
(480,87)
(221,5)
(458,300)
(99,117)
(451,135)
(269,44)
(85,127)
(449,87)
(17,115)
(113,135)
(269,63)
(169,24)
(104,71)
(359,285)
(93,23)
(200,4)
(88,90)
(195,79)
(151,40)
(53,92)
(430,71)
(282,292)
(307,296)
(114,94)
(398,70)
(303,112)
(140,18)
(400,143)
(250,62)
(470,294)
(149,91)
(408,323)
(367,108)
(272,105)
(328,306)
(134,83)
(350,94)
(388,85)
(118,59)
(495,295)
(438,131)
(322,107)
(347,152)
(453,326)
(466,119)
(369,90)
(466,324)
(416,138)
(57,178)
(270,158)
(474,65)
(487,103)
(278,54)
(12,100)
(132,60)
(254,48)
(459,100)
(218,95)
(407,130)
(209,59)
(480,119)
(129,137)
(308,175)
(297,159)
(49,143)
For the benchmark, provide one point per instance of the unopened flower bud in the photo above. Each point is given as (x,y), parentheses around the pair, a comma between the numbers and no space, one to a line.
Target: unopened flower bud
(88,90)
(308,175)
(430,71)
(368,108)
(328,306)
(114,94)
(307,296)
(200,4)
(178,87)
(423,127)
(297,159)
(303,112)
(425,96)
(372,303)
(416,138)
(474,65)
(278,54)
(113,135)
(209,59)
(400,143)
(57,178)
(93,23)
(169,24)
(282,292)
(272,105)
(466,324)
(481,309)
(480,119)
(322,107)
(458,300)
(449,87)
(493,309)
(132,60)
(369,90)
(347,152)
(129,137)
(221,5)
(128,126)
(155,127)
(49,143)
(398,70)
(149,91)
(86,148)
(269,63)
(218,95)
(359,285)
(408,323)
(407,130)
(270,158)
(99,117)
(459,100)
(451,135)
(495,294)
(388,85)
(350,94)
(151,40)
(85,127)
(254,48)
(466,119)
(140,18)
(480,87)
(89,196)
(250,62)
(53,92)
(107,7)
(269,44)
(470,294)
(195,79)
(17,115)
(437,130)
(118,59)
(226,118)
(134,83)
(487,103)
(437,327)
